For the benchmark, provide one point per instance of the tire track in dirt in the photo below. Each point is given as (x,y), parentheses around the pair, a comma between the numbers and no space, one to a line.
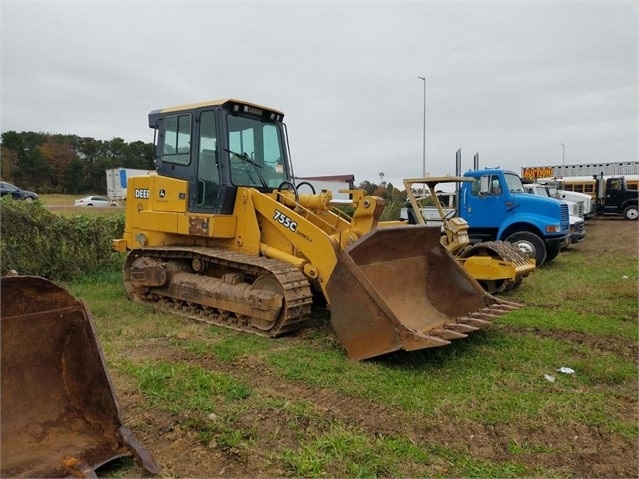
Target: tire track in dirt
(610,344)
(584,451)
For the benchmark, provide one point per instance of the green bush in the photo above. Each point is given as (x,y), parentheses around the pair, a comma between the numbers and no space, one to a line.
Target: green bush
(36,242)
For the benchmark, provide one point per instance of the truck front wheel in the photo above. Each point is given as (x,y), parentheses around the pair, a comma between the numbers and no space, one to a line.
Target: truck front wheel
(531,245)
(631,212)
(552,254)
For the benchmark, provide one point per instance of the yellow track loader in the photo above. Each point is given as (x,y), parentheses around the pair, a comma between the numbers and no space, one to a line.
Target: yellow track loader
(59,413)
(497,265)
(222,234)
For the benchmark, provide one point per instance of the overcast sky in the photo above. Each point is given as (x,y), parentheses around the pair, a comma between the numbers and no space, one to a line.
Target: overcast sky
(510,80)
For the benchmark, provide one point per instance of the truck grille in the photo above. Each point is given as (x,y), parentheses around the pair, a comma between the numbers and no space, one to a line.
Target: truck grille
(581,209)
(565,217)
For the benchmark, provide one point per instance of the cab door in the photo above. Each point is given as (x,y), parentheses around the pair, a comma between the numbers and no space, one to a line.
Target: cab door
(614,193)
(206,185)
(484,205)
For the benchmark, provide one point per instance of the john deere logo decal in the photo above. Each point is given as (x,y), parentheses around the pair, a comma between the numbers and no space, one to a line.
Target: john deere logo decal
(142,193)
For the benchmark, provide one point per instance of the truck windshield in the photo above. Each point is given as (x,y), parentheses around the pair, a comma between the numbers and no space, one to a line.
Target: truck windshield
(513,182)
(260,143)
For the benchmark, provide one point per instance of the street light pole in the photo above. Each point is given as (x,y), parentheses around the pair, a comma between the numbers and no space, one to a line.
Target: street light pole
(563,153)
(424,147)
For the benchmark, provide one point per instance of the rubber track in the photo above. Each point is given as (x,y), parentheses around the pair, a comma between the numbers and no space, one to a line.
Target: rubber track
(297,293)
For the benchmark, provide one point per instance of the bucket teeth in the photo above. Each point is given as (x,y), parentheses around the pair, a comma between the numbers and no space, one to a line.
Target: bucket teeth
(462,328)
(436,340)
(486,315)
(446,333)
(507,306)
(473,321)
(483,317)
(417,339)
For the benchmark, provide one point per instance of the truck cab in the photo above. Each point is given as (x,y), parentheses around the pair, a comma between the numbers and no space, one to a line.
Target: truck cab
(583,200)
(496,207)
(614,197)
(577,229)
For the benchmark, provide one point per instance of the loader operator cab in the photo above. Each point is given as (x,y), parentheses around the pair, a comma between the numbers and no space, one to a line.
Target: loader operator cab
(219,146)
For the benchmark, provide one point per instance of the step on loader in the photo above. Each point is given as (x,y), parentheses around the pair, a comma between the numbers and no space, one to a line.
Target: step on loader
(59,413)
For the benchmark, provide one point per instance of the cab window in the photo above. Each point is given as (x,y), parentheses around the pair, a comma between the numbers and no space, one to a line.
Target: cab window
(256,152)
(615,185)
(177,139)
(208,176)
(494,186)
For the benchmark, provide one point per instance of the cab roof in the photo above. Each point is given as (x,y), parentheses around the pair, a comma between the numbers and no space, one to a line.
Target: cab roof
(219,102)
(230,103)
(489,171)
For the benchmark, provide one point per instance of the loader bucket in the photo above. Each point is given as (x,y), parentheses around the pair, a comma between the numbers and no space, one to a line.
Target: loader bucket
(399,288)
(59,414)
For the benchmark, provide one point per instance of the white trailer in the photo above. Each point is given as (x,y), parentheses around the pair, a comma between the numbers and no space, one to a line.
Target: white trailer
(117,181)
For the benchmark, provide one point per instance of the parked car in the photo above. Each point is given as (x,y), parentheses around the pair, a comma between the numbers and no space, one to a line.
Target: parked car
(17,193)
(97,201)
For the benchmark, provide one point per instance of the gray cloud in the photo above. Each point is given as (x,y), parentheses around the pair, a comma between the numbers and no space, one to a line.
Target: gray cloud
(510,80)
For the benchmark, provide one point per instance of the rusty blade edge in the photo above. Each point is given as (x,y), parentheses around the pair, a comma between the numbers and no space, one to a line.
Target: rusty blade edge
(77,467)
(143,456)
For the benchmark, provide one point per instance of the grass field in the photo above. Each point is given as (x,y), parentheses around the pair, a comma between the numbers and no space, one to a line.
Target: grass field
(64,204)
(213,402)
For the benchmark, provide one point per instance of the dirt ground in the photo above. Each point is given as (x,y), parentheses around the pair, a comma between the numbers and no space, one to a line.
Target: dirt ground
(181,454)
(585,452)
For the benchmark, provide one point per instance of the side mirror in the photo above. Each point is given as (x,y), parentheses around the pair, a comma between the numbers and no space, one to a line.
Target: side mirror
(484,185)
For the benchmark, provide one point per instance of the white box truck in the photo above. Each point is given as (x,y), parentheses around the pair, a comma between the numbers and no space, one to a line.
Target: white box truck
(117,180)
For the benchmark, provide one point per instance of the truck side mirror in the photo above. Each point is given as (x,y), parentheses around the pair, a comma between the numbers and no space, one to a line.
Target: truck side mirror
(484,185)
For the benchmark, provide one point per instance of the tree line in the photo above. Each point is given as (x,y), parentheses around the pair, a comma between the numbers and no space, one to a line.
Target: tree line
(67,164)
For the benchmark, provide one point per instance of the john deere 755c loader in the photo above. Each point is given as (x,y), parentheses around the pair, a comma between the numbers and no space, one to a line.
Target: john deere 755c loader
(222,234)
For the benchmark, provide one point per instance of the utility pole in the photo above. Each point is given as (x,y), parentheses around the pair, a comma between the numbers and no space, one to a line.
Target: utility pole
(424,141)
